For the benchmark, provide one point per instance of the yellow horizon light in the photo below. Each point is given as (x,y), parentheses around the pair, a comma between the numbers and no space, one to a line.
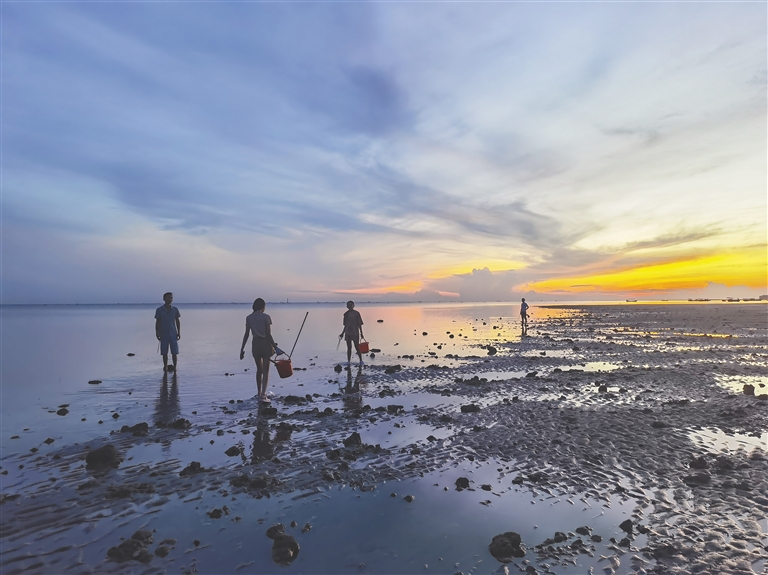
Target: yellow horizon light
(748,267)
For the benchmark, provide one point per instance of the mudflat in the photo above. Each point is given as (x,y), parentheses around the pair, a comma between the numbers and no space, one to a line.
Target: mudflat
(616,439)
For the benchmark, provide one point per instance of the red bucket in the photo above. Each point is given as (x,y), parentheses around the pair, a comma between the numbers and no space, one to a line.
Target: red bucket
(364,347)
(284,368)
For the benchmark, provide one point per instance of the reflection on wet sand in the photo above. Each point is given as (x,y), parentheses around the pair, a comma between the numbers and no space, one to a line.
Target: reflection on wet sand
(167,406)
(352,397)
(263,446)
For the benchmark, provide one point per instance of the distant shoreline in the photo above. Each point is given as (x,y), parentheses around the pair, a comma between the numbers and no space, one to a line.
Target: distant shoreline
(546,304)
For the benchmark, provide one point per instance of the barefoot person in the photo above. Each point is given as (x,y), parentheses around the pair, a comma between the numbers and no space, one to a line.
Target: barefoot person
(168,330)
(263,346)
(524,313)
(353,331)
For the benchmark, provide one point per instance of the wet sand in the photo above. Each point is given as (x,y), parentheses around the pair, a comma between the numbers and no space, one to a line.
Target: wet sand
(650,421)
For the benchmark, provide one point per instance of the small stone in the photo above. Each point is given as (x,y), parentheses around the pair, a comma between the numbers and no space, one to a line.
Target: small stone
(462,483)
(233,451)
(409,498)
(62,411)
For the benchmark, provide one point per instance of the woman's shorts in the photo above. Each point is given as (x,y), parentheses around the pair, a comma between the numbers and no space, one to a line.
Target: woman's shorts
(261,348)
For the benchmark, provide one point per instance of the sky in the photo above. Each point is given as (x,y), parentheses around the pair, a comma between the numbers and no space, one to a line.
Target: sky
(383,151)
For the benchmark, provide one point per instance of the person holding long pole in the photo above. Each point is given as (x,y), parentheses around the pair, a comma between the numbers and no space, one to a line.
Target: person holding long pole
(262,347)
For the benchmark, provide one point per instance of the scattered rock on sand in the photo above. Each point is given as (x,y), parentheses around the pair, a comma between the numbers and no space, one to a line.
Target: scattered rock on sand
(462,483)
(409,498)
(749,389)
(337,368)
(134,548)
(62,411)
(94,382)
(105,457)
(284,550)
(698,463)
(626,526)
(471,408)
(138,430)
(233,451)
(697,479)
(192,469)
(506,547)
(353,440)
(276,530)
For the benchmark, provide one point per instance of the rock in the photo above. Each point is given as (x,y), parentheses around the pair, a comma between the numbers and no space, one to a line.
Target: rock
(602,389)
(162,551)
(749,389)
(215,513)
(506,546)
(698,463)
(95,382)
(233,451)
(596,538)
(409,498)
(192,469)
(697,479)
(462,483)
(284,550)
(276,530)
(626,526)
(491,350)
(353,440)
(138,430)
(486,487)
(62,411)
(559,537)
(49,441)
(134,548)
(337,368)
(379,321)
(658,425)
(307,527)
(294,400)
(424,333)
(583,530)
(115,416)
(103,458)
(471,408)
(532,374)
(129,355)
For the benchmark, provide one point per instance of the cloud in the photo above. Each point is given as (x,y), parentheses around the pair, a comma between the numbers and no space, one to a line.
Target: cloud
(365,146)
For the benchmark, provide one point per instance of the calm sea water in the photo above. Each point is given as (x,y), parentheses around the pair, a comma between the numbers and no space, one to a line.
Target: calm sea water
(49,353)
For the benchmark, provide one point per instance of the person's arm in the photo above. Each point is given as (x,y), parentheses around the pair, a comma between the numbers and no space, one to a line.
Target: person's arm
(361,326)
(343,326)
(269,337)
(157,327)
(245,340)
(178,328)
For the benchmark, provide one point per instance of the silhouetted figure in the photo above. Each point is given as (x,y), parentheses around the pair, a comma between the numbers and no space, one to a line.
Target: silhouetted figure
(168,329)
(524,314)
(353,331)
(262,347)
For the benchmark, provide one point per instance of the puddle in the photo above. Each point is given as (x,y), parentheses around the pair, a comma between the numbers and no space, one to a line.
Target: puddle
(711,438)
(736,383)
(594,366)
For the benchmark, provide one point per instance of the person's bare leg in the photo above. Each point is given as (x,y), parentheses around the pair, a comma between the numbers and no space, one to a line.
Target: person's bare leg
(165,362)
(174,357)
(349,351)
(265,377)
(359,355)
(259,376)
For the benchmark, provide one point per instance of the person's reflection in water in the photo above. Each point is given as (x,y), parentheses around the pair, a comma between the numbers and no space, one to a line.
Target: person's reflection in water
(263,446)
(167,406)
(353,398)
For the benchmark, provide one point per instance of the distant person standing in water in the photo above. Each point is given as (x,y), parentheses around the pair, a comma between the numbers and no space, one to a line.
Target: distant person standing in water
(353,331)
(524,313)
(168,330)
(262,347)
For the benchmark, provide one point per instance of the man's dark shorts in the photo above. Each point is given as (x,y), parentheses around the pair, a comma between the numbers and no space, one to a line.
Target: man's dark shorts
(261,348)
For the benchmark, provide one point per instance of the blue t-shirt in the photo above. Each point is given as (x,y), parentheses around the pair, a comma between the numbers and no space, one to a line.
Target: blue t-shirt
(167,322)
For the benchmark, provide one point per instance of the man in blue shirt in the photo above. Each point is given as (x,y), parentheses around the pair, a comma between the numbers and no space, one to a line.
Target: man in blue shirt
(168,330)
